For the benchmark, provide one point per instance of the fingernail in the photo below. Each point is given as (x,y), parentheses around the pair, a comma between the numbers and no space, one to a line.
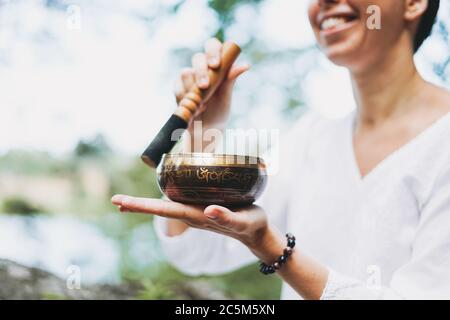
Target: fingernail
(125,200)
(204,81)
(214,61)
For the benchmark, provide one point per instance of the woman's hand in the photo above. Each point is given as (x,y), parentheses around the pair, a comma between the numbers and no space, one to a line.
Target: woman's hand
(214,112)
(248,225)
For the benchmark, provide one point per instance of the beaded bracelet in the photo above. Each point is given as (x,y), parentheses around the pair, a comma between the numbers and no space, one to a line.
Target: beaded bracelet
(269,269)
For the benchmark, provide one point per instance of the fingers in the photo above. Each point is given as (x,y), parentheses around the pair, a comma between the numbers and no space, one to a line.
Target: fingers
(184,83)
(124,209)
(200,66)
(187,79)
(236,222)
(214,217)
(198,73)
(158,207)
(213,50)
(179,89)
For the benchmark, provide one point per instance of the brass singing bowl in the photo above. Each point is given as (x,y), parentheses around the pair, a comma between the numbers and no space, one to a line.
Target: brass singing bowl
(206,178)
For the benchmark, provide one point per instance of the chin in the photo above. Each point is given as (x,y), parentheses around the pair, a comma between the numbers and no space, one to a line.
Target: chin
(346,49)
(345,54)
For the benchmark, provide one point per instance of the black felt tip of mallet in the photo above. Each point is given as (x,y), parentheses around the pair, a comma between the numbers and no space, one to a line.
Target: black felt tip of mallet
(164,141)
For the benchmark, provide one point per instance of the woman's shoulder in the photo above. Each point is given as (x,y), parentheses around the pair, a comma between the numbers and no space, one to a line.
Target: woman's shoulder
(438,98)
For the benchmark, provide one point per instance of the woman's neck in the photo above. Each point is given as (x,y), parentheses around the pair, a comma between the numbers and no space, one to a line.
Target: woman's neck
(385,90)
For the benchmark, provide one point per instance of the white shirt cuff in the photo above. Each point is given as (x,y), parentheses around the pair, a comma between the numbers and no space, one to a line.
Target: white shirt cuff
(340,287)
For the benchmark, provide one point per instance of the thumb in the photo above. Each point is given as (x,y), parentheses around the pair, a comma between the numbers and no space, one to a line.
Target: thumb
(233,74)
(220,215)
(237,70)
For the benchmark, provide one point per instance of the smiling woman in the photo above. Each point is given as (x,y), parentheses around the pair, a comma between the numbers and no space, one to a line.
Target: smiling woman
(349,19)
(364,194)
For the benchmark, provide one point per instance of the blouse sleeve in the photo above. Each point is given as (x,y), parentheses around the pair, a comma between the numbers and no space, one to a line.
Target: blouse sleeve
(196,252)
(427,274)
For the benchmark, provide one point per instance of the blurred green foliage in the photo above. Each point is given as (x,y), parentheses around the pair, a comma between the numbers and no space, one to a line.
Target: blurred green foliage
(35,162)
(248,283)
(94,147)
(52,296)
(135,179)
(225,12)
(18,205)
(165,282)
(155,290)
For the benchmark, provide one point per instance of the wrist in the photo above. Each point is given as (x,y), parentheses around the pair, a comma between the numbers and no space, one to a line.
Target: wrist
(268,245)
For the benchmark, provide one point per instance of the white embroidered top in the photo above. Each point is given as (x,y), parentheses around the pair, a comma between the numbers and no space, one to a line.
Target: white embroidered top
(384,236)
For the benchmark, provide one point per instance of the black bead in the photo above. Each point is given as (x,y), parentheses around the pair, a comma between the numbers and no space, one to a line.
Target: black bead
(290,236)
(271,269)
(291,243)
(288,251)
(282,259)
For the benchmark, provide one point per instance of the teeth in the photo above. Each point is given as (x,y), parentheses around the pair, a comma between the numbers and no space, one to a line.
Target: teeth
(332,23)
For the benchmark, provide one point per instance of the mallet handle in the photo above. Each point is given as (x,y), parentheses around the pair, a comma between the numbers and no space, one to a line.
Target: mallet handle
(188,106)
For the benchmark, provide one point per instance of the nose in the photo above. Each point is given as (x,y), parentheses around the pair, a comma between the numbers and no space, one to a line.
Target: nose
(327,3)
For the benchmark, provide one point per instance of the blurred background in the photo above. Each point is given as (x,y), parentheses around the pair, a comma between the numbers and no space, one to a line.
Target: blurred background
(85,85)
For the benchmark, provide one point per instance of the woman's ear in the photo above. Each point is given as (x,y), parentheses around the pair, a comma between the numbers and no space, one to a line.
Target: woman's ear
(414,9)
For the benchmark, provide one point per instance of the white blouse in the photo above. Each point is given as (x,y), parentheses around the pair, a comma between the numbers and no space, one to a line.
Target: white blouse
(384,236)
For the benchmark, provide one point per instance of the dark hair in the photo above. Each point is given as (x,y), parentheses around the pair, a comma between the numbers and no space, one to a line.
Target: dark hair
(426,23)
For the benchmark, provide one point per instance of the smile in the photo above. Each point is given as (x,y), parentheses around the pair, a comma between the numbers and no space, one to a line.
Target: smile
(336,23)
(332,23)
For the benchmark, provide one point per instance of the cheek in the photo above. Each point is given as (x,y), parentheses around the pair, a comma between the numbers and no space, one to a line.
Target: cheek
(313,11)
(381,19)
(389,13)
(390,17)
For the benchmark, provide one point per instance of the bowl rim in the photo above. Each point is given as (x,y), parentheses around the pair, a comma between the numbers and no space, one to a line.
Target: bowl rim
(200,155)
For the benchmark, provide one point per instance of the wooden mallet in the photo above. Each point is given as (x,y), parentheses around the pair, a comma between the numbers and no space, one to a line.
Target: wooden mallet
(188,106)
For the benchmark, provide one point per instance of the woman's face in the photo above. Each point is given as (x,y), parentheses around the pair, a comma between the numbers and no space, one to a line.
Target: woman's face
(347,33)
